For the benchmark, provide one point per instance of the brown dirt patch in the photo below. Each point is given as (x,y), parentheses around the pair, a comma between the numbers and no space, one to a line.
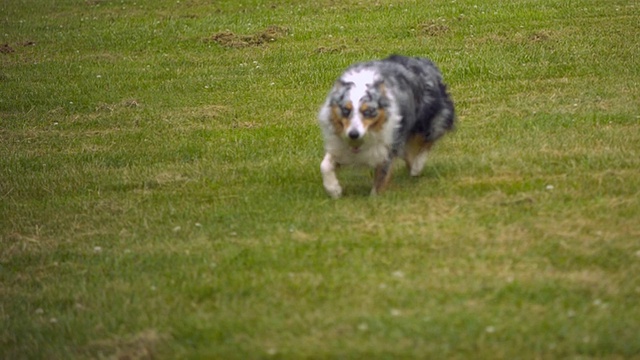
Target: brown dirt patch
(232,40)
(6,49)
(331,49)
(542,35)
(432,28)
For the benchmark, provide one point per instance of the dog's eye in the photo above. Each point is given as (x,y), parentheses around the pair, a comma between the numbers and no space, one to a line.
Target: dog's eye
(346,112)
(369,112)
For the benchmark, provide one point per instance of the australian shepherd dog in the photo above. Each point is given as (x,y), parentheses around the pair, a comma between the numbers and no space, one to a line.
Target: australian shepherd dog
(380,110)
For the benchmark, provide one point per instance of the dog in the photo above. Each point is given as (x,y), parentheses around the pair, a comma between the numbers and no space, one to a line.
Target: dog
(380,110)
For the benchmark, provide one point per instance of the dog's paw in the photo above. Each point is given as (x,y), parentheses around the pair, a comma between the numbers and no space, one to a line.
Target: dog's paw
(414,172)
(418,164)
(335,191)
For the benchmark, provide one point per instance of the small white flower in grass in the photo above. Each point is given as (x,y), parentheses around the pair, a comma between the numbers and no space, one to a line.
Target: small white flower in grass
(176,229)
(39,311)
(549,187)
(198,225)
(398,274)
(599,303)
(490,329)
(97,249)
(98,76)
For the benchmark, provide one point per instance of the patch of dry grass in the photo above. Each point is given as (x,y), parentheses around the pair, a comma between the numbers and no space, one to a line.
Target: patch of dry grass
(141,346)
(232,40)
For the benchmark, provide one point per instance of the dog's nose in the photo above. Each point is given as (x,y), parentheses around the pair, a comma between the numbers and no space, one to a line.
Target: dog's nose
(354,134)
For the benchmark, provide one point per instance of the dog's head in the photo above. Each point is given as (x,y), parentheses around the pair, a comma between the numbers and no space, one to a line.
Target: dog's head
(358,105)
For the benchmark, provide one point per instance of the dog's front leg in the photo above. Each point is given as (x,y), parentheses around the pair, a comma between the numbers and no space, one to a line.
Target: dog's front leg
(329,179)
(381,177)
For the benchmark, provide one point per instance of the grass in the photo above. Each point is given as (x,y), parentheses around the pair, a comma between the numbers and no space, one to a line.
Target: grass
(160,194)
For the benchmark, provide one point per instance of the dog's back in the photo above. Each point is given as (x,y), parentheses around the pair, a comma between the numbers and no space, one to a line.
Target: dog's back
(433,110)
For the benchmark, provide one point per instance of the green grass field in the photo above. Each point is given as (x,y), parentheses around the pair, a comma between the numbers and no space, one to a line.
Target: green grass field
(160,193)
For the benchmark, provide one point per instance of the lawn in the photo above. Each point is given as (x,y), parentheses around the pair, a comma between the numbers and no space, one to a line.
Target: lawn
(160,192)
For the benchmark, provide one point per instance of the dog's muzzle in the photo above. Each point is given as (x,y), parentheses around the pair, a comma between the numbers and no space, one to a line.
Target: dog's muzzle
(355,140)
(354,134)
